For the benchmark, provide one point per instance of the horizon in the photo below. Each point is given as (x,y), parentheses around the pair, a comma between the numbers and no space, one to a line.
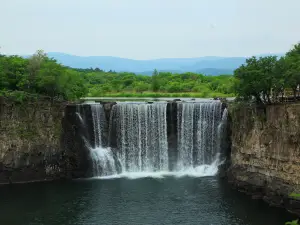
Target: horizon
(149,59)
(151,29)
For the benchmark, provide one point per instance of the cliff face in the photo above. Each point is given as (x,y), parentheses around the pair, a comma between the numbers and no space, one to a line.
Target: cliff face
(30,135)
(77,136)
(265,153)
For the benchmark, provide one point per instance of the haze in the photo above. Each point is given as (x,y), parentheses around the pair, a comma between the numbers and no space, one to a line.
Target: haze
(147,29)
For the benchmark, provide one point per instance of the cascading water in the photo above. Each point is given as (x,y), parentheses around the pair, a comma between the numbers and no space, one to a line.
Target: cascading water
(103,162)
(198,133)
(102,158)
(98,122)
(138,139)
(141,132)
(199,136)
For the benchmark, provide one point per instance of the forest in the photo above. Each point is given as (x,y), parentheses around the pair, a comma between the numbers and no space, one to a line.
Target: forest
(261,79)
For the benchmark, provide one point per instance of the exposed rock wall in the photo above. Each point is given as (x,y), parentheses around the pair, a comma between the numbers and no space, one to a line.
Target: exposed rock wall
(172,133)
(265,152)
(77,137)
(30,135)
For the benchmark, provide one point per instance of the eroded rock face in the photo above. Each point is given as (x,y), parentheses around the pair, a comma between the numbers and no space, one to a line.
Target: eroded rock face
(77,137)
(172,133)
(30,141)
(265,152)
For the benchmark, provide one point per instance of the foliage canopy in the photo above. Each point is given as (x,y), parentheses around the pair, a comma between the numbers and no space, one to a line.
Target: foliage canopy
(265,79)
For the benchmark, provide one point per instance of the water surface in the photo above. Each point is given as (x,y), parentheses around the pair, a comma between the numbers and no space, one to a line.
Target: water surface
(143,201)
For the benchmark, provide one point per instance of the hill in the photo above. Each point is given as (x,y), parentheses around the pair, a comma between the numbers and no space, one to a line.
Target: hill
(210,65)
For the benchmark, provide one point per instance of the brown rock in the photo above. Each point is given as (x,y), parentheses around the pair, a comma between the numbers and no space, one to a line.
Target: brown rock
(265,152)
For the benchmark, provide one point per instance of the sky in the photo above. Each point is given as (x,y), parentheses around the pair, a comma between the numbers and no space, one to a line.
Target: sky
(149,29)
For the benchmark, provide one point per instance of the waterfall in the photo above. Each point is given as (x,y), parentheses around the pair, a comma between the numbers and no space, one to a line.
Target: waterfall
(141,132)
(99,122)
(103,163)
(137,138)
(198,135)
(222,132)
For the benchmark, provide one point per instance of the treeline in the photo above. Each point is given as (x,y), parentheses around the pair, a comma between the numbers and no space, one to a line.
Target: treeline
(159,84)
(266,79)
(40,75)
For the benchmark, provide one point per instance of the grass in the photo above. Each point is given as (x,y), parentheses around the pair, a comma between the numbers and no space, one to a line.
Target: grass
(163,94)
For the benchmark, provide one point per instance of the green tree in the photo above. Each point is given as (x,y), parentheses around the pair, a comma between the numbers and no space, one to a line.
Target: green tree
(141,86)
(256,79)
(267,78)
(292,72)
(155,81)
(34,65)
(15,72)
(248,83)
(48,79)
(280,77)
(72,85)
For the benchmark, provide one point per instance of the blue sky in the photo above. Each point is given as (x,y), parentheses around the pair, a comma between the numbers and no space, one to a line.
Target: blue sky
(147,29)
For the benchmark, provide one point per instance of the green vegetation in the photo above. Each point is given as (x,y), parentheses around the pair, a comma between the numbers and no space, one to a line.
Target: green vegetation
(295,195)
(265,79)
(38,75)
(294,222)
(25,79)
(261,79)
(160,84)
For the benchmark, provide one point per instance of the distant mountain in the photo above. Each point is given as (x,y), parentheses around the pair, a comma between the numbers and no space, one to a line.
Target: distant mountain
(210,65)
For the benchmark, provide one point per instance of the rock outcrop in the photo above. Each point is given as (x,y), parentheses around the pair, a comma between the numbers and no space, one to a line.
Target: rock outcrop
(265,152)
(30,135)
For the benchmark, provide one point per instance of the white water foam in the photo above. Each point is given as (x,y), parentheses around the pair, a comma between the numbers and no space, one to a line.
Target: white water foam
(199,171)
(103,161)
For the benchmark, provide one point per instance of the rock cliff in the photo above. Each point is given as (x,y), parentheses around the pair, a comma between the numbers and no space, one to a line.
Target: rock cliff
(265,152)
(30,136)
